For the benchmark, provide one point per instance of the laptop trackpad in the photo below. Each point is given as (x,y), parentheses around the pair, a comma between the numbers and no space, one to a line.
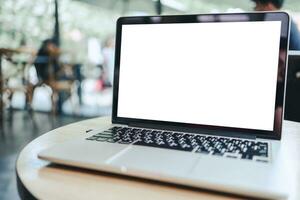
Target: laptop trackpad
(155,160)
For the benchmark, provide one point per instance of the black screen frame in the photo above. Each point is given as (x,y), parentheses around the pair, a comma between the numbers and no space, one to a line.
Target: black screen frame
(203,18)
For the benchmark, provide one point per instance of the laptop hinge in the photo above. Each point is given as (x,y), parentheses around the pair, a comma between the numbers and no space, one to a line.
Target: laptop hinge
(195,130)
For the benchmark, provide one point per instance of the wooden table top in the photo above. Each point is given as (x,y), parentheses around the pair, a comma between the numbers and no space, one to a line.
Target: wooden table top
(17,50)
(43,180)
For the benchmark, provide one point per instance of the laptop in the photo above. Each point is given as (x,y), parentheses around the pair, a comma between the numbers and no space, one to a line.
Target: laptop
(197,101)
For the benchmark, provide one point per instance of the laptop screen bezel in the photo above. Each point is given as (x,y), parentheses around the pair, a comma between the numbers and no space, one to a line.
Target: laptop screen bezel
(204,18)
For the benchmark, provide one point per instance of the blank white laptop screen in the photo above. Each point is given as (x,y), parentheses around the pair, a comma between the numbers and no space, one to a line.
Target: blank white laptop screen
(220,74)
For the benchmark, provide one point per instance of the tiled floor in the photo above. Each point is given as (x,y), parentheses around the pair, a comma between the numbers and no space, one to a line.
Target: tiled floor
(18,129)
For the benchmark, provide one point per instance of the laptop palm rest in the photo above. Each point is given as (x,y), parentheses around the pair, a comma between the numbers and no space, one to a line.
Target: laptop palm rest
(155,160)
(93,153)
(162,164)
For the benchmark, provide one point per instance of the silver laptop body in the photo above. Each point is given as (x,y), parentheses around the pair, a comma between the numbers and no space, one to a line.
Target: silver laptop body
(197,101)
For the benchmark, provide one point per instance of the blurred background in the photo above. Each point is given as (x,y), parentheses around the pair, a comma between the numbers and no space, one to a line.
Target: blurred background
(83,36)
(57,60)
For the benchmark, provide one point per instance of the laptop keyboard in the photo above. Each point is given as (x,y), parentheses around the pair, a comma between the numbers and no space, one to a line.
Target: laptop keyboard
(204,144)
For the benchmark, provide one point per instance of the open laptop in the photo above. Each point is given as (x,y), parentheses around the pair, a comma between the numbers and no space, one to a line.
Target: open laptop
(197,101)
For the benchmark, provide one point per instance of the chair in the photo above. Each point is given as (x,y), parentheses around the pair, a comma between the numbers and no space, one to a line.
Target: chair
(53,78)
(14,74)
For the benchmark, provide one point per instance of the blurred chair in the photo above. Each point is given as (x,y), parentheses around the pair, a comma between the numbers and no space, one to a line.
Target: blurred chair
(14,73)
(58,87)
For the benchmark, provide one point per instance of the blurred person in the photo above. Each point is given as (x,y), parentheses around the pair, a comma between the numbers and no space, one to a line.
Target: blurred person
(46,62)
(59,76)
(46,66)
(108,60)
(275,5)
(94,52)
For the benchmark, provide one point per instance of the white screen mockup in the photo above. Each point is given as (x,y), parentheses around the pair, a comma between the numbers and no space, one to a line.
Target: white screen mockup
(220,74)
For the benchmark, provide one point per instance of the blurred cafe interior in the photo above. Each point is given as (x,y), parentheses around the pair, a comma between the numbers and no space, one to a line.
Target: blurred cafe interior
(57,62)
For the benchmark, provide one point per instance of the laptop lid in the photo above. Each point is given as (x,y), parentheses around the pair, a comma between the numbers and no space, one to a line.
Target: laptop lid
(222,73)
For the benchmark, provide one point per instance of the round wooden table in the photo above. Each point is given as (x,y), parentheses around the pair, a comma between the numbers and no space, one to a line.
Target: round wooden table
(38,179)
